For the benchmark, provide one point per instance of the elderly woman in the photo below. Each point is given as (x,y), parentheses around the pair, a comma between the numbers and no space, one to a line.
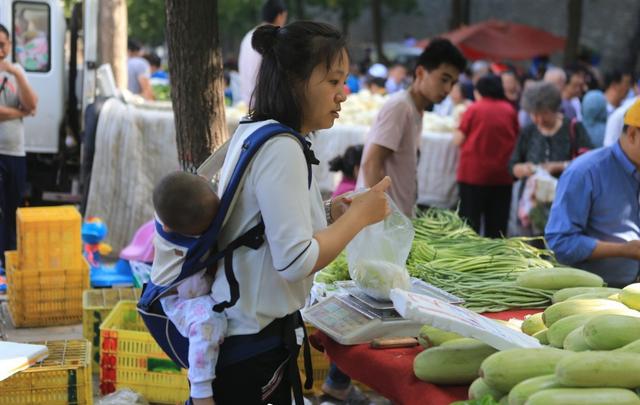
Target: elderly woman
(551,141)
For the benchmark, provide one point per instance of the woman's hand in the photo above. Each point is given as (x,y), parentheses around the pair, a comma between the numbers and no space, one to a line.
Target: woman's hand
(521,170)
(372,206)
(555,168)
(458,137)
(6,66)
(340,205)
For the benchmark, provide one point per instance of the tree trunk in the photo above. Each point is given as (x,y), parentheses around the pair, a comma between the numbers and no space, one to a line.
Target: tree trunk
(113,38)
(460,10)
(300,9)
(197,80)
(376,19)
(574,10)
(345,19)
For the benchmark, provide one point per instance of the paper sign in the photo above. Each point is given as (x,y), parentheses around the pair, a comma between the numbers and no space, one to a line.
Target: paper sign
(462,321)
(16,357)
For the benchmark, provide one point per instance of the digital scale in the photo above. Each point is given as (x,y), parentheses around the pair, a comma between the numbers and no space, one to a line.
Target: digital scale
(351,317)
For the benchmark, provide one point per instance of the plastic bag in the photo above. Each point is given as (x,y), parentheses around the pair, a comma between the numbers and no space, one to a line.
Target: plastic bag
(124,396)
(377,255)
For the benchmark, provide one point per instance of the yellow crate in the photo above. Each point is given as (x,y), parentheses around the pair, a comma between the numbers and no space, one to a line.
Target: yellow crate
(96,305)
(63,378)
(129,357)
(45,298)
(49,238)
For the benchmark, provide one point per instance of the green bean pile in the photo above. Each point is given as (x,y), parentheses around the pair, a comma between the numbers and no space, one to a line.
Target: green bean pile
(450,255)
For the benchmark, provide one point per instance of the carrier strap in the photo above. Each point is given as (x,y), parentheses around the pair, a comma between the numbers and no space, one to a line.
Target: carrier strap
(253,239)
(292,322)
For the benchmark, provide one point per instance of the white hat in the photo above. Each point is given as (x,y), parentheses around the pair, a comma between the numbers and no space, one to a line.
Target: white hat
(378,70)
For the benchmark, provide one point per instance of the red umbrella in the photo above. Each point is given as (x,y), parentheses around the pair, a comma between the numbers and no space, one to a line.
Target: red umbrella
(500,40)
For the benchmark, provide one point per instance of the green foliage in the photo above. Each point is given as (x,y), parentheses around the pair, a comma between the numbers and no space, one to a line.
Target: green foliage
(161,92)
(146,21)
(237,17)
(68,6)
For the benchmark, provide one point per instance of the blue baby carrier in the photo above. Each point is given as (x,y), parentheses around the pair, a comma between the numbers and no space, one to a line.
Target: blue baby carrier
(204,253)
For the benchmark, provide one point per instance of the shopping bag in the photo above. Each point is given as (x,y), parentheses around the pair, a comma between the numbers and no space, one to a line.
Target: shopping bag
(377,255)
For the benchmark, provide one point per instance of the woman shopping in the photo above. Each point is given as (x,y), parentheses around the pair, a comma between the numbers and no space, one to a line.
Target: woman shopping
(300,84)
(549,143)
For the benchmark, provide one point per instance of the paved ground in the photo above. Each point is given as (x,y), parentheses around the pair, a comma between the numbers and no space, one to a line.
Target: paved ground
(8,332)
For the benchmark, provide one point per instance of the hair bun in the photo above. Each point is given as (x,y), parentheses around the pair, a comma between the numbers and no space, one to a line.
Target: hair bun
(264,37)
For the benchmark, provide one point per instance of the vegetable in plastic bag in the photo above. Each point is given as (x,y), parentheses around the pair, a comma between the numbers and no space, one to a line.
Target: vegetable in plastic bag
(377,277)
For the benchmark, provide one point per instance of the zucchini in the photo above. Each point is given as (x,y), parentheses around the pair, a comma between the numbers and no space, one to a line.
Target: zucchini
(557,278)
(532,324)
(630,296)
(633,347)
(523,390)
(566,293)
(479,389)
(600,369)
(428,336)
(542,336)
(505,369)
(559,330)
(591,295)
(615,297)
(563,309)
(456,362)
(608,332)
(584,396)
(575,341)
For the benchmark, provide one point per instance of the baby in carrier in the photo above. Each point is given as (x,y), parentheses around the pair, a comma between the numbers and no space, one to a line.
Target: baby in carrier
(185,205)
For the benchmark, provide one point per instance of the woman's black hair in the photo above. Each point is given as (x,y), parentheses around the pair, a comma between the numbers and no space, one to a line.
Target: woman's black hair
(490,86)
(347,162)
(289,55)
(5,30)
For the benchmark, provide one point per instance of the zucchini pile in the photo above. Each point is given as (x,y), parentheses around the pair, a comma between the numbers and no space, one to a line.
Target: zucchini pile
(591,354)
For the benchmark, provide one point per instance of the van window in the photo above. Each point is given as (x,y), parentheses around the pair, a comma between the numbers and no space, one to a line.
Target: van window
(32,36)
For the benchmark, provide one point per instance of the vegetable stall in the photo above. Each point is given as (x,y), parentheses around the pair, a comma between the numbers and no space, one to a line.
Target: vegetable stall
(588,335)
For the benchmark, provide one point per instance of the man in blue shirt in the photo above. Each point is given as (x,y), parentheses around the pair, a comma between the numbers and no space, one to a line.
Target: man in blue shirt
(595,219)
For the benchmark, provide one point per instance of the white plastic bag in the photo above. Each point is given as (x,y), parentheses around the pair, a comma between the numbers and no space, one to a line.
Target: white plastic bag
(377,255)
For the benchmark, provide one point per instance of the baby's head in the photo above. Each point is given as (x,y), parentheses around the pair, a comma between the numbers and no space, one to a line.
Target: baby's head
(185,203)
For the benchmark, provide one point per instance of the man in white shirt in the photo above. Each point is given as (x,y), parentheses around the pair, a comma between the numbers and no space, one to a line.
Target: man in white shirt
(273,12)
(615,122)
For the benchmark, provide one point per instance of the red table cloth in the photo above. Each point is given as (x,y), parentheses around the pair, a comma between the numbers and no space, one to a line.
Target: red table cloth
(390,371)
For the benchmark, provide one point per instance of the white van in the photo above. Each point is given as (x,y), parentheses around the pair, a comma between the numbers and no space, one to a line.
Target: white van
(63,80)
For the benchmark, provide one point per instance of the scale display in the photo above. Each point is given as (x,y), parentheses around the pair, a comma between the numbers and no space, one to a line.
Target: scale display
(342,318)
(338,317)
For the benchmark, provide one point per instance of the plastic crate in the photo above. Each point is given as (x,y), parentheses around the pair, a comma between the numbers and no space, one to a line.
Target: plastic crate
(49,238)
(96,305)
(45,298)
(129,357)
(63,378)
